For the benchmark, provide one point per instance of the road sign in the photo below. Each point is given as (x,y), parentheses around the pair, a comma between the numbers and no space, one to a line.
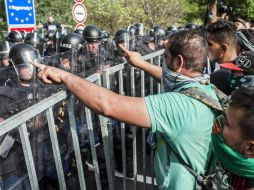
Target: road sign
(79,13)
(20,13)
(79,1)
(80,26)
(27,29)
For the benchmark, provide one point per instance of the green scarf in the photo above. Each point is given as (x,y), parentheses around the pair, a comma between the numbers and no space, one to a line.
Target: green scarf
(231,160)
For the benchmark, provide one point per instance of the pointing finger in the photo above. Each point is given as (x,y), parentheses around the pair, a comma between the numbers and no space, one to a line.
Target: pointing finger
(125,50)
(38,65)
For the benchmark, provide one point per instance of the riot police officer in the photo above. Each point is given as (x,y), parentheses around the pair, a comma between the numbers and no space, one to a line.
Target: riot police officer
(171,30)
(153,42)
(18,97)
(94,55)
(35,40)
(106,43)
(95,58)
(133,30)
(21,55)
(140,28)
(69,48)
(50,43)
(5,67)
(5,47)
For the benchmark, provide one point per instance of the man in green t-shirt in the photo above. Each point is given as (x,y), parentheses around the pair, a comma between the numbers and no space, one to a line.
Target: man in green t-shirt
(177,120)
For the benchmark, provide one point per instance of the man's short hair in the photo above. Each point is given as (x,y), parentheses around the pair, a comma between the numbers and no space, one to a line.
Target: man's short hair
(192,45)
(243,98)
(223,32)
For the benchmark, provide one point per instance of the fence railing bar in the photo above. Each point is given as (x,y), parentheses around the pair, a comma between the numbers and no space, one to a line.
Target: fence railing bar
(133,131)
(93,148)
(106,146)
(76,143)
(106,84)
(28,157)
(123,142)
(55,147)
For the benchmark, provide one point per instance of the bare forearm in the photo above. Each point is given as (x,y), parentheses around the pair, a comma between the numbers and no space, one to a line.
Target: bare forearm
(153,70)
(213,12)
(130,110)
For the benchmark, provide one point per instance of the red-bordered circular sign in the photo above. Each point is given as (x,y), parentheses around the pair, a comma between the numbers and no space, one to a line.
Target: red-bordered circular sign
(79,12)
(79,1)
(80,26)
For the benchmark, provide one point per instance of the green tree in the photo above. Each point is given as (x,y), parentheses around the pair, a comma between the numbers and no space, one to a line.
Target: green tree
(112,15)
(3,23)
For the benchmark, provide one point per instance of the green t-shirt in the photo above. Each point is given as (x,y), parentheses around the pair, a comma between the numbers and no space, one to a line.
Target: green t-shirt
(186,124)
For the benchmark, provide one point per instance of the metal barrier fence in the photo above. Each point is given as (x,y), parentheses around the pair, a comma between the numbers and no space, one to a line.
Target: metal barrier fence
(19,120)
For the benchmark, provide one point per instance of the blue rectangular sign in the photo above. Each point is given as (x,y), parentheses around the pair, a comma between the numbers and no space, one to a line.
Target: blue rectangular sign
(20,12)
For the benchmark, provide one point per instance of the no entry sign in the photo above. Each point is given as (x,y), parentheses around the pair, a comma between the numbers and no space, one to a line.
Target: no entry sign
(79,13)
(80,26)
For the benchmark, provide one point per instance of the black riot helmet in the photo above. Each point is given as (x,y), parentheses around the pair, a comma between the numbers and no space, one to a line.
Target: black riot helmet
(92,34)
(133,30)
(121,37)
(157,33)
(105,34)
(72,40)
(14,37)
(23,33)
(35,40)
(79,31)
(105,37)
(5,47)
(21,55)
(50,35)
(140,28)
(172,28)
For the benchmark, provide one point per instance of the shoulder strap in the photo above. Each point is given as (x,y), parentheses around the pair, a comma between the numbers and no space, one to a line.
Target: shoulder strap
(221,95)
(203,97)
(187,167)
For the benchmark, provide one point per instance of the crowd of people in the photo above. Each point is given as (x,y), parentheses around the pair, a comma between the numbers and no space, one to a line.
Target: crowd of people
(202,122)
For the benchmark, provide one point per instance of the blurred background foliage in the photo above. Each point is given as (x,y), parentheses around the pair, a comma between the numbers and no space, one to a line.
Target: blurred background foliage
(111,15)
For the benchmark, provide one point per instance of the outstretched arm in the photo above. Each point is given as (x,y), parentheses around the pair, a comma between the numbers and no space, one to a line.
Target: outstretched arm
(131,110)
(136,60)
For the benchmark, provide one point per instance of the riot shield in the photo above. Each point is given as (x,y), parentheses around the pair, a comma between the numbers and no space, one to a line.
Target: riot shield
(7,75)
(94,58)
(123,40)
(67,61)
